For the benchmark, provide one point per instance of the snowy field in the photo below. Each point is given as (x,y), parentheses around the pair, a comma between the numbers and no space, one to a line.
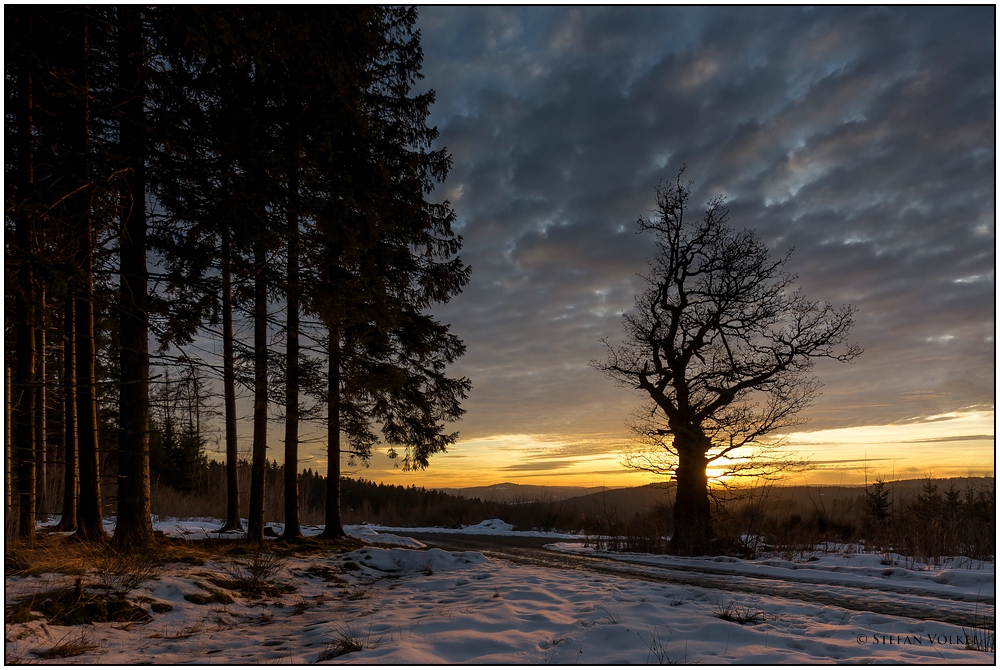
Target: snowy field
(396,601)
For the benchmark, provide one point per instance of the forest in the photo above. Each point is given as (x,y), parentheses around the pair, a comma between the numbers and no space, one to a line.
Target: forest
(246,179)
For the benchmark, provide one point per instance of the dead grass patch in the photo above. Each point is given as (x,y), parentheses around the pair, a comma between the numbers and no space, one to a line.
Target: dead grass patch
(67,648)
(254,574)
(737,612)
(73,605)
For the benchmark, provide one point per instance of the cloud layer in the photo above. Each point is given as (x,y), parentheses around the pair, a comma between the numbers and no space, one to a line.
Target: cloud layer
(863,137)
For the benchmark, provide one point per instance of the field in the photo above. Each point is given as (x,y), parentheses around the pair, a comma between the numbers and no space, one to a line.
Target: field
(381,597)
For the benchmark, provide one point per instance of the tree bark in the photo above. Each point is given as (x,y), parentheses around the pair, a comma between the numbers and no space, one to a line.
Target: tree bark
(233,521)
(41,427)
(90,509)
(692,514)
(68,522)
(24,426)
(292,530)
(134,526)
(24,353)
(8,462)
(255,523)
(334,529)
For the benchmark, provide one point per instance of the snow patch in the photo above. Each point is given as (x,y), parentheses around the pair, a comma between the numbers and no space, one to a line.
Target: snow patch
(490,526)
(408,561)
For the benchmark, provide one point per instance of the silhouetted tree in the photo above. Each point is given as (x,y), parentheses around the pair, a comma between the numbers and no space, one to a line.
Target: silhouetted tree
(133,526)
(722,346)
(384,254)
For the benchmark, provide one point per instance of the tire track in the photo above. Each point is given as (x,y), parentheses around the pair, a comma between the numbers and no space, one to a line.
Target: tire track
(947,608)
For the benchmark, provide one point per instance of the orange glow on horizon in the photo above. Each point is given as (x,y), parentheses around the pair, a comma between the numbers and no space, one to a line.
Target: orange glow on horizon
(955,445)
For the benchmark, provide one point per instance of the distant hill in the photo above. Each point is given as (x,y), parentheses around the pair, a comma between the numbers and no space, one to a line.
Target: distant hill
(624,502)
(515,493)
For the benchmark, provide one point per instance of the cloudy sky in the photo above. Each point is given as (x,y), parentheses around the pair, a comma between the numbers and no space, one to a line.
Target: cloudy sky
(862,137)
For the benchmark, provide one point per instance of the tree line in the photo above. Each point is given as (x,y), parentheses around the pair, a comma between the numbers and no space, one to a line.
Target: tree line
(172,169)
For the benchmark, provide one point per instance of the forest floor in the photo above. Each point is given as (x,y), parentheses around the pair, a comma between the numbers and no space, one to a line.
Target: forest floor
(386,598)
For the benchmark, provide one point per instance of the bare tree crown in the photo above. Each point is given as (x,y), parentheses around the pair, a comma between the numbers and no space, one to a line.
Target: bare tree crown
(720,340)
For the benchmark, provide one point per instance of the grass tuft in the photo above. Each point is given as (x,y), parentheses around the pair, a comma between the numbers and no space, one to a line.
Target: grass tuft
(253,573)
(658,648)
(81,644)
(120,573)
(737,612)
(348,639)
(981,634)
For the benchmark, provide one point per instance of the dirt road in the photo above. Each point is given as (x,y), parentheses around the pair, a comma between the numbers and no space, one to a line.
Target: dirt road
(891,600)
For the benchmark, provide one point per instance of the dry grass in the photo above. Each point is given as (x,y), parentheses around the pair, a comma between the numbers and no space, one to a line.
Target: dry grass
(121,572)
(66,648)
(737,612)
(254,573)
(59,554)
(348,639)
(51,553)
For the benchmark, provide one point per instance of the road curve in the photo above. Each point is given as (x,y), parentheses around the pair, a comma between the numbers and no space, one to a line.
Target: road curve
(912,603)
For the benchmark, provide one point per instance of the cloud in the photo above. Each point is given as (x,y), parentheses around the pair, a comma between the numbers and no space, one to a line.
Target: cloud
(863,137)
(540,465)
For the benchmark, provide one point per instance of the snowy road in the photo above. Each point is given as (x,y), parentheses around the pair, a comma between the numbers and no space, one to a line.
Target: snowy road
(926,602)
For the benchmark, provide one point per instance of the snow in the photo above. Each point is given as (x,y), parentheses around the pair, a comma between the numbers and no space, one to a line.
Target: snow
(395,601)
(494,527)
(405,562)
(839,568)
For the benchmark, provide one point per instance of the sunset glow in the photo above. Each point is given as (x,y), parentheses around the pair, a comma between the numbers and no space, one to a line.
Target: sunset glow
(826,131)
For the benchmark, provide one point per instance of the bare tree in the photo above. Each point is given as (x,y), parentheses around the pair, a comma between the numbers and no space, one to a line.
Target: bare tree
(723,345)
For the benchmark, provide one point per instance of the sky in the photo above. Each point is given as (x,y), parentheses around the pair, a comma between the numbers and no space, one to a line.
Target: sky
(862,137)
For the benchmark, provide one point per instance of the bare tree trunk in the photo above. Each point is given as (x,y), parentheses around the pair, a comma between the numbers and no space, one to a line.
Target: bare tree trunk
(8,457)
(24,371)
(692,513)
(233,522)
(24,426)
(334,528)
(89,511)
(68,521)
(41,429)
(134,526)
(292,530)
(255,522)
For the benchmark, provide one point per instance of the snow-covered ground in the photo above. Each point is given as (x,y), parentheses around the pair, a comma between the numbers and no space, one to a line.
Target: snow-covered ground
(395,601)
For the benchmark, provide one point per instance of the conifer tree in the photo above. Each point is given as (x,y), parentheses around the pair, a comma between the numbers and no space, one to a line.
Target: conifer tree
(385,255)
(133,526)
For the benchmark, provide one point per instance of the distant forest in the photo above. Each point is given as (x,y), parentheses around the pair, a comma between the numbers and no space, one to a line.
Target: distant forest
(178,175)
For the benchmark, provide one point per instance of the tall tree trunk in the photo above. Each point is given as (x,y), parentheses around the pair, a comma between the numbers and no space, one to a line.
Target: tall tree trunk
(90,508)
(334,528)
(292,530)
(134,526)
(24,353)
(41,428)
(68,521)
(24,425)
(8,465)
(53,384)
(255,522)
(692,513)
(8,470)
(233,522)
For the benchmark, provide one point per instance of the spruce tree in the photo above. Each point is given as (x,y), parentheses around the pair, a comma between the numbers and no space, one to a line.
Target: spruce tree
(133,526)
